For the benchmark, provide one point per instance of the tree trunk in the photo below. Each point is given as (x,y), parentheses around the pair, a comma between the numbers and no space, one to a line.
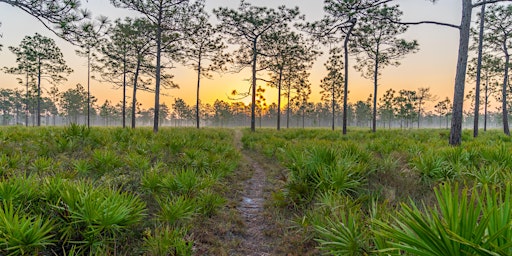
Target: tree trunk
(88,89)
(253,97)
(333,103)
(279,98)
(345,92)
(486,101)
(197,92)
(504,93)
(158,70)
(134,96)
(460,77)
(478,72)
(375,84)
(124,90)
(288,103)
(39,94)
(27,108)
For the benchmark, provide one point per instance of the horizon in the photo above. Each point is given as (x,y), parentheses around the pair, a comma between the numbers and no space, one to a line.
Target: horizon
(432,66)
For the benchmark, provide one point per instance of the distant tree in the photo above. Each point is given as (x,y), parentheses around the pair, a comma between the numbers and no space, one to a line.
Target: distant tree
(46,60)
(498,23)
(88,38)
(377,46)
(204,50)
(128,48)
(221,113)
(283,49)
(405,107)
(107,111)
(167,19)
(332,83)
(25,68)
(480,41)
(302,88)
(338,26)
(245,27)
(73,103)
(423,95)
(491,67)
(363,112)
(442,108)
(181,110)
(261,102)
(297,78)
(386,107)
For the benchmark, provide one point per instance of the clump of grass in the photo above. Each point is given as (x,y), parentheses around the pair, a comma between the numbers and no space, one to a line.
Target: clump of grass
(167,241)
(22,234)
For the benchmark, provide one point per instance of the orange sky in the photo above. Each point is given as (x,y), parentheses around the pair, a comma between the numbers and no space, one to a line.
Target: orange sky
(433,66)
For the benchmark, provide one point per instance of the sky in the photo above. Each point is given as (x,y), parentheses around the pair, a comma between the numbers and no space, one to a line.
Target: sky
(432,66)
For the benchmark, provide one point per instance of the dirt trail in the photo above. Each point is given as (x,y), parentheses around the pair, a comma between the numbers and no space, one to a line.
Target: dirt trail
(254,241)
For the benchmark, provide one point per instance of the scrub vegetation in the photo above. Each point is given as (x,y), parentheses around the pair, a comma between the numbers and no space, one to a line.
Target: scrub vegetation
(392,192)
(101,191)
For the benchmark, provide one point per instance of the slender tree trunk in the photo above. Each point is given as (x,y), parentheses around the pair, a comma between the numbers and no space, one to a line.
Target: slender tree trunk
(460,77)
(479,71)
(486,101)
(279,98)
(124,90)
(333,104)
(345,92)
(27,108)
(39,94)
(253,99)
(89,88)
(504,93)
(288,103)
(375,85)
(197,92)
(134,96)
(158,70)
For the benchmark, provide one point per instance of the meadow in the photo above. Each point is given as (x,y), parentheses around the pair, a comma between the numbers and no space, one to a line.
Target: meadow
(111,191)
(394,192)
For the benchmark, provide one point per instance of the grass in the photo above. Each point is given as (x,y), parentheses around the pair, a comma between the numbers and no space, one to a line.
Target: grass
(392,192)
(109,191)
(112,191)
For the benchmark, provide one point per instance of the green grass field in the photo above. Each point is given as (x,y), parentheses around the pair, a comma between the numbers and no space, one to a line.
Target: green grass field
(111,191)
(394,192)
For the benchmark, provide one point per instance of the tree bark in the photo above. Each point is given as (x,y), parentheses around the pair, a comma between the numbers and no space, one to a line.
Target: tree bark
(88,89)
(197,92)
(375,84)
(279,82)
(486,101)
(345,92)
(506,129)
(158,70)
(333,103)
(479,71)
(462,60)
(39,94)
(253,99)
(124,90)
(134,96)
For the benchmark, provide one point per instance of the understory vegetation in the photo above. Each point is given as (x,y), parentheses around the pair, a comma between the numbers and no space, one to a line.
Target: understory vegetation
(109,191)
(392,192)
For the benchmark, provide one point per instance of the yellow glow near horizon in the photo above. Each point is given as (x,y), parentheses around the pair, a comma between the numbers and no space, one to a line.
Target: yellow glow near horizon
(433,66)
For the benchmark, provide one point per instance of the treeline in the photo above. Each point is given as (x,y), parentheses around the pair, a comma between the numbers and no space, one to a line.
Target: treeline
(402,109)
